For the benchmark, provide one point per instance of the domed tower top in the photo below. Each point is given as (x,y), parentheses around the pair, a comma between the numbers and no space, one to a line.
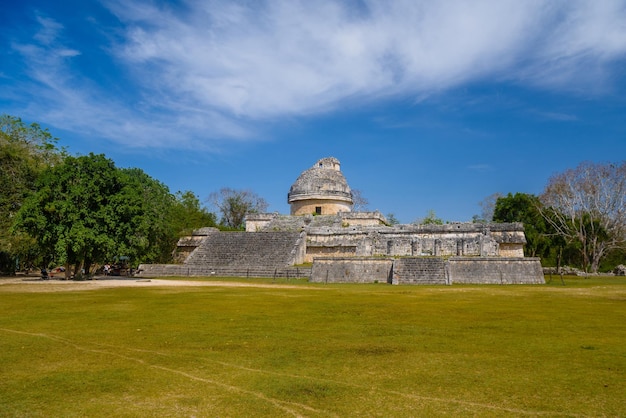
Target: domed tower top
(321,190)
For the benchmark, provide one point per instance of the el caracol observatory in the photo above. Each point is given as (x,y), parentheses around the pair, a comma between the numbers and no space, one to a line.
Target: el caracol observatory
(325,241)
(320,190)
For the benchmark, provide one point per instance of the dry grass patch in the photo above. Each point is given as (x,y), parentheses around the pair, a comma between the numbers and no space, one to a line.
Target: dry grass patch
(280,349)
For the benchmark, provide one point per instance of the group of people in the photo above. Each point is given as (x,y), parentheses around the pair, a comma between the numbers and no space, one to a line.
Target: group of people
(107,269)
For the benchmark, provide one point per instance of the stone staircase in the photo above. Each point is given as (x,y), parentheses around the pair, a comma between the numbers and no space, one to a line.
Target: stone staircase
(419,270)
(246,250)
(239,254)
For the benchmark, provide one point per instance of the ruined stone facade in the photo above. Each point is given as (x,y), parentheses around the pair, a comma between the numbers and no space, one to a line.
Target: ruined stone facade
(366,234)
(345,246)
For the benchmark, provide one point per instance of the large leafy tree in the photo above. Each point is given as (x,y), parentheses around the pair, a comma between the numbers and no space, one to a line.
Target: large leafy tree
(587,206)
(234,205)
(69,215)
(85,210)
(25,151)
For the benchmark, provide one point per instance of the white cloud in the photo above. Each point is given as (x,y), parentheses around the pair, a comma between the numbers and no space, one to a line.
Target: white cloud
(286,57)
(64,97)
(227,65)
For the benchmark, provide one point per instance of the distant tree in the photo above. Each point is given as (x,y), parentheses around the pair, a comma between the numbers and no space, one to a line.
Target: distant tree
(359,202)
(391,219)
(587,205)
(234,205)
(487,206)
(37,141)
(430,219)
(188,214)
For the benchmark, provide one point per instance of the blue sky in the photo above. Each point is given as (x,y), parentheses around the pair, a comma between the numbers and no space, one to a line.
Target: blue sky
(428,105)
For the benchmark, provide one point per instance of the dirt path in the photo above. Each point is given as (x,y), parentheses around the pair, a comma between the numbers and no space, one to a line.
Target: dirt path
(35,284)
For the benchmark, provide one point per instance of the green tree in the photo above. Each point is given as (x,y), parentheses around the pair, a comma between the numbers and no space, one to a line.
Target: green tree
(526,208)
(68,214)
(391,219)
(234,205)
(143,213)
(87,210)
(430,219)
(37,141)
(188,214)
(25,151)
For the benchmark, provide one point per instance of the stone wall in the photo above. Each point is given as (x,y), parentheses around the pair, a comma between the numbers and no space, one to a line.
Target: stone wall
(319,207)
(187,245)
(352,270)
(495,270)
(257,222)
(182,270)
(463,239)
(427,270)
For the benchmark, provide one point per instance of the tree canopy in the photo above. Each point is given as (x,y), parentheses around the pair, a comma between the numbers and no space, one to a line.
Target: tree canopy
(188,214)
(85,210)
(526,208)
(25,151)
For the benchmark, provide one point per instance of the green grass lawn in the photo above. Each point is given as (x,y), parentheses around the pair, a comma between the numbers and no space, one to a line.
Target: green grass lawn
(316,350)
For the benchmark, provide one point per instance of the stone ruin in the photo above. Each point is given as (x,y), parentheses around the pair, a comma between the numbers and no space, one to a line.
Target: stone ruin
(323,240)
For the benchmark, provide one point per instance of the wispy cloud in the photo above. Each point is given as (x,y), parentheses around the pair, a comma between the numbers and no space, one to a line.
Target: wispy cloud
(555,116)
(481,168)
(214,69)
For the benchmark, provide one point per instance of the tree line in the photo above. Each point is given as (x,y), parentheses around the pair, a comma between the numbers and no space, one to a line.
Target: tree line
(578,220)
(59,209)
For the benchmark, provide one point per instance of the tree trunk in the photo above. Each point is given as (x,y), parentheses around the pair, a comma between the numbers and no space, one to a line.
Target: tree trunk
(77,270)
(68,272)
(87,266)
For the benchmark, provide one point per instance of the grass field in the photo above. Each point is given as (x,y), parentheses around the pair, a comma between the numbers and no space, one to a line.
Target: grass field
(315,350)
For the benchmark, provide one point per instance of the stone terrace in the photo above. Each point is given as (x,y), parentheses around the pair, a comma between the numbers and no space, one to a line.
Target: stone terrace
(240,254)
(247,250)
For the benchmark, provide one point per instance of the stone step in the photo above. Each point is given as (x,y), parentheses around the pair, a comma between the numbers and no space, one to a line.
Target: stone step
(246,250)
(419,271)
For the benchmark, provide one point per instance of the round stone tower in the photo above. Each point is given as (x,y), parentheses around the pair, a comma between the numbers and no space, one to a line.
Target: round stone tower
(320,190)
